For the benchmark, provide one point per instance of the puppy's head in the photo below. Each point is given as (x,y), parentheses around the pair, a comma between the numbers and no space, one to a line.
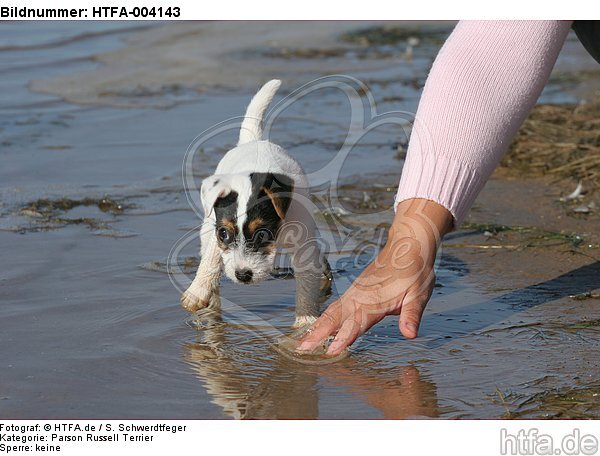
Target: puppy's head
(248,211)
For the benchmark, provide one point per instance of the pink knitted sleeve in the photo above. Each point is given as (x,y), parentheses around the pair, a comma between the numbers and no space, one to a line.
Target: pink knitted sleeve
(484,81)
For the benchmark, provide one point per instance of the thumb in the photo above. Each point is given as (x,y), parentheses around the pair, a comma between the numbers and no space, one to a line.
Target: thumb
(410,316)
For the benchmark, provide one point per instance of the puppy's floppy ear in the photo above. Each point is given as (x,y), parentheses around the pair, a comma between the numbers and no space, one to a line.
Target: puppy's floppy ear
(214,187)
(279,188)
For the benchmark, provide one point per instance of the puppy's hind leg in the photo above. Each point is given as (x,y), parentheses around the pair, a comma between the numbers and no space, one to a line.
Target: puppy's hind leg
(204,289)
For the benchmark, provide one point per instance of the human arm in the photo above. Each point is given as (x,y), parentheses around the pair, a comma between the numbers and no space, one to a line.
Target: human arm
(484,81)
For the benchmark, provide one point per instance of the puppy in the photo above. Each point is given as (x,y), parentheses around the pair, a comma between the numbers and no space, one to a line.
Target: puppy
(256,203)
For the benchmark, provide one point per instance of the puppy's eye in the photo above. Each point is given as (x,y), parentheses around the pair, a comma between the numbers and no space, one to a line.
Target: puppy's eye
(263,237)
(224,235)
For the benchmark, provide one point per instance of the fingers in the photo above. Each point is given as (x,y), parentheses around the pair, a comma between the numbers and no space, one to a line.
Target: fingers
(410,316)
(325,326)
(346,336)
(346,322)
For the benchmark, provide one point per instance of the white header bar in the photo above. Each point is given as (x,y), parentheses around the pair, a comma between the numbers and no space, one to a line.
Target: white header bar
(305,10)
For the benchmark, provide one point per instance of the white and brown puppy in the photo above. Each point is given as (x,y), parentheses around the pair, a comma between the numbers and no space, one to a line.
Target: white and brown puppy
(257,202)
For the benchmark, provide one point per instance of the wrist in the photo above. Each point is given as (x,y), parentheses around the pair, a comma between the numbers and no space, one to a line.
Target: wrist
(426,213)
(422,220)
(414,238)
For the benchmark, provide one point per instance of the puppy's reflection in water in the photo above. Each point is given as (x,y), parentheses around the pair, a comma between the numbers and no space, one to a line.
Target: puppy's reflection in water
(247,378)
(251,379)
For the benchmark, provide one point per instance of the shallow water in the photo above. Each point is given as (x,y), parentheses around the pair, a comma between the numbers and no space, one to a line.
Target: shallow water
(90,322)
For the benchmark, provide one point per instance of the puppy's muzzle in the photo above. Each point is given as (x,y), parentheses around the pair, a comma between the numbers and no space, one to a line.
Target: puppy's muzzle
(244,275)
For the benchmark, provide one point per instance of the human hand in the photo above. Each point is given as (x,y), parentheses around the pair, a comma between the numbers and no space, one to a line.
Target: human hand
(398,282)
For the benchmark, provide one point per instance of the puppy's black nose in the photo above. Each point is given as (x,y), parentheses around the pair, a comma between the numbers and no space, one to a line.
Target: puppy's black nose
(243,275)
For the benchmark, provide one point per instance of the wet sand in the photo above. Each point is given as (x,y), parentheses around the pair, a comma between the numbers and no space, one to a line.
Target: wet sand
(92,202)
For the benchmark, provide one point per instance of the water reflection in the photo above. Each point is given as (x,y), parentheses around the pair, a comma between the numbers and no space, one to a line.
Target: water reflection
(249,379)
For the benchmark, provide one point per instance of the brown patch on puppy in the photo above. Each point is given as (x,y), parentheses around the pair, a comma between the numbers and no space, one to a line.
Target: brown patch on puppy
(229,224)
(254,225)
(279,204)
(269,248)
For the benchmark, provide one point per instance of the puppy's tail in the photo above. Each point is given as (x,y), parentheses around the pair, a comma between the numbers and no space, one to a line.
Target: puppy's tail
(252,125)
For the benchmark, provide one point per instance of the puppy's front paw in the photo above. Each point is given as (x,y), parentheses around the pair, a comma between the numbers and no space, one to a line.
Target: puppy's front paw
(196,298)
(303,321)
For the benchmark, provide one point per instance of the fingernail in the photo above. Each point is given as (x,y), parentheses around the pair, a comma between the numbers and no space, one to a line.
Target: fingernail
(305,346)
(332,348)
(412,327)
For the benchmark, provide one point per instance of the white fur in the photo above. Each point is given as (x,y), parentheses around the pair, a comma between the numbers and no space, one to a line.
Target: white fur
(302,321)
(252,125)
(253,154)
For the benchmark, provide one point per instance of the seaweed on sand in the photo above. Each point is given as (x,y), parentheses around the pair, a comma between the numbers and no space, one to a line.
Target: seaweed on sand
(527,236)
(47,213)
(382,35)
(561,141)
(581,402)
